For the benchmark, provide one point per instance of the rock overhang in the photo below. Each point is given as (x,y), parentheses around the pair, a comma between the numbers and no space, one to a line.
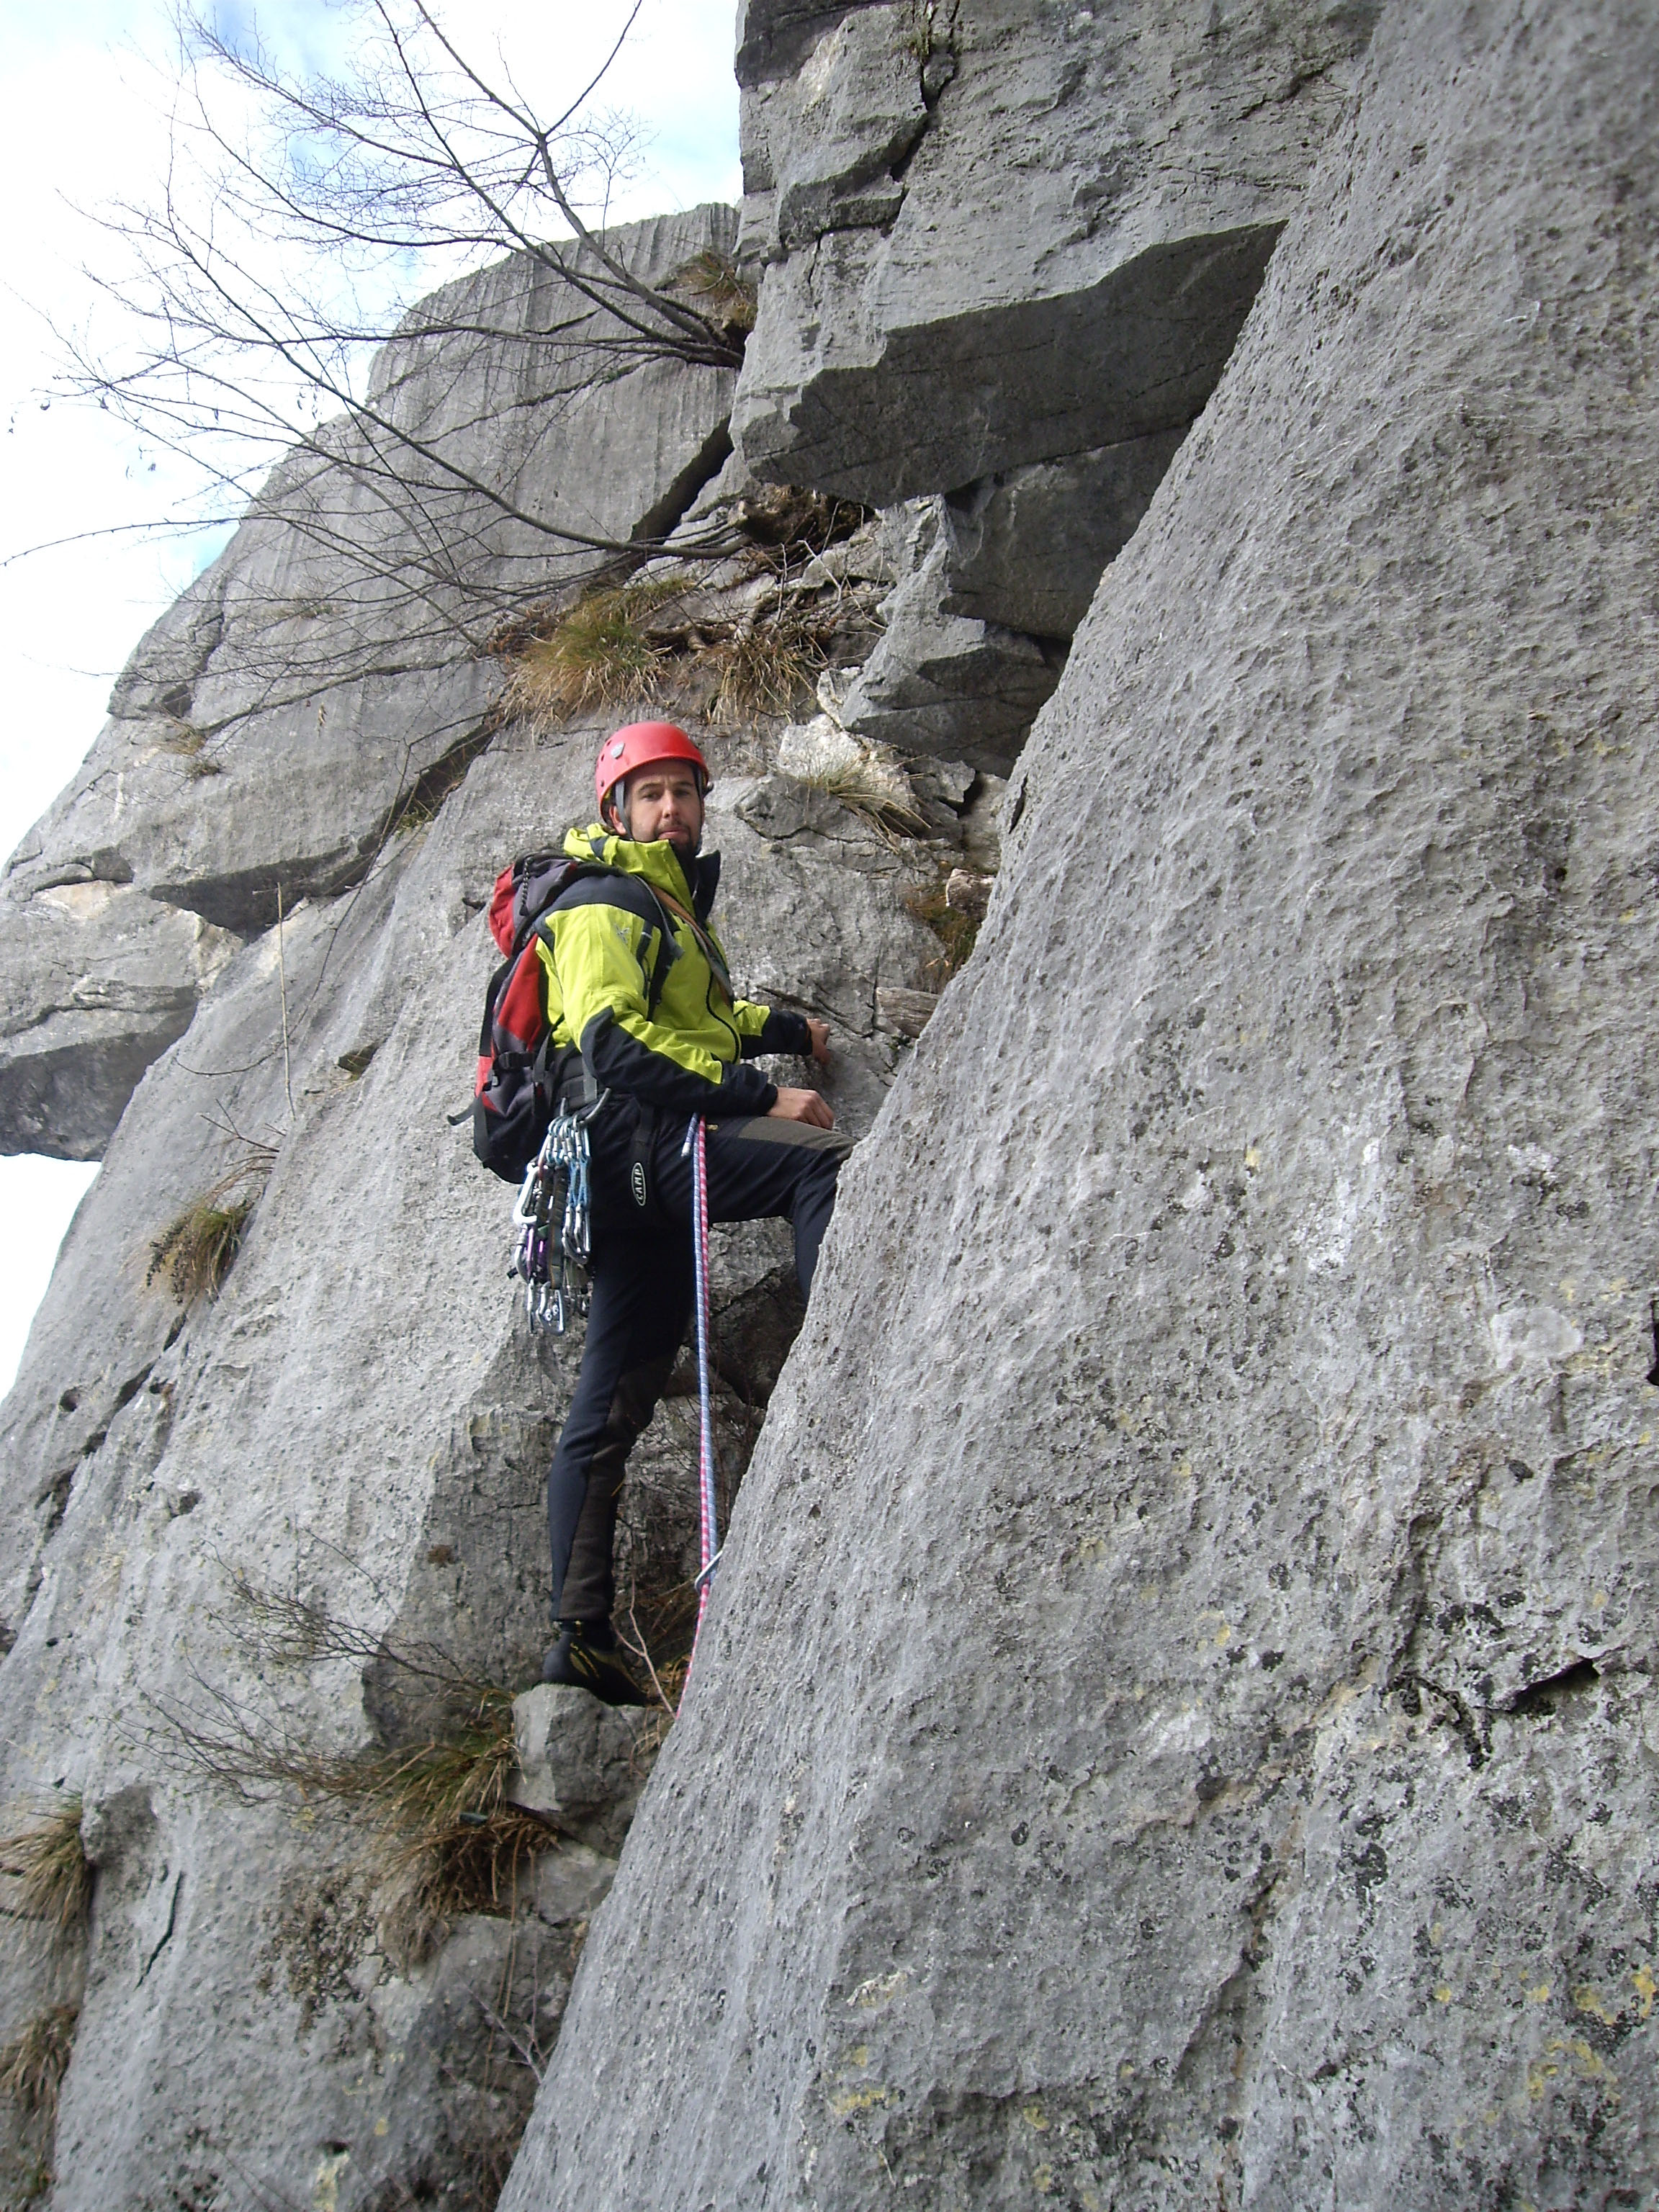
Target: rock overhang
(934,406)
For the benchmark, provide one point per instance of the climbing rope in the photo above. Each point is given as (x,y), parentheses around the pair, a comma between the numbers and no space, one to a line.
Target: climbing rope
(697,1146)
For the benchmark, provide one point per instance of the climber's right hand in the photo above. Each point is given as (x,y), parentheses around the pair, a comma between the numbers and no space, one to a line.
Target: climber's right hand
(808,1106)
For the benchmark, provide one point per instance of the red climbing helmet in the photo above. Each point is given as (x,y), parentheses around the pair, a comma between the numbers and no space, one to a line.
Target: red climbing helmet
(638,745)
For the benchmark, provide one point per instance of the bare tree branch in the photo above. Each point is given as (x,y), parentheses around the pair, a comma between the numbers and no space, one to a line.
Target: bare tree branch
(306,219)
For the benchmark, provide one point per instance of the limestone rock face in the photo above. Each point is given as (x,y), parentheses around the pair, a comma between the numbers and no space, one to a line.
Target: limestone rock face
(354,1432)
(999,234)
(939,683)
(1175,1724)
(1006,251)
(578,1762)
(97,980)
(1026,549)
(823,145)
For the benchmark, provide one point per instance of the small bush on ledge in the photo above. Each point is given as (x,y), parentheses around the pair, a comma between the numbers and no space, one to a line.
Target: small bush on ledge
(33,2064)
(48,1862)
(197,1251)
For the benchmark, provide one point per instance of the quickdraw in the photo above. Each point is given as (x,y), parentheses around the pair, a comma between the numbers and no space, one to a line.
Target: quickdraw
(554,1221)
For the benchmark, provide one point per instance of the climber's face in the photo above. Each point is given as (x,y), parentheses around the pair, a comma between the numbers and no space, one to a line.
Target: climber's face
(663,801)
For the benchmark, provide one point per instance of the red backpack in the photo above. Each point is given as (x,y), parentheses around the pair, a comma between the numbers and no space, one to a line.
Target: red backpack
(519,1068)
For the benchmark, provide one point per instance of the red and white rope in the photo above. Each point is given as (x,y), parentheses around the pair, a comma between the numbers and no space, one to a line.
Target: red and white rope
(697,1140)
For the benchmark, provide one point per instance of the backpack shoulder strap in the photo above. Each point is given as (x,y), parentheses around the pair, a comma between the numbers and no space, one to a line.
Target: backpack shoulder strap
(607,886)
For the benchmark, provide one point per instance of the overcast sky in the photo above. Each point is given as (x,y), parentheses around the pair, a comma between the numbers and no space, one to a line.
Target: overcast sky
(85,85)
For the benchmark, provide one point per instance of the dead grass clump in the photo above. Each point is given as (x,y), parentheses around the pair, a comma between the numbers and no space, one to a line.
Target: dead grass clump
(765,668)
(600,654)
(956,930)
(714,283)
(443,1838)
(863,792)
(196,1252)
(471,1866)
(796,524)
(33,2064)
(49,1863)
(190,743)
(437,1834)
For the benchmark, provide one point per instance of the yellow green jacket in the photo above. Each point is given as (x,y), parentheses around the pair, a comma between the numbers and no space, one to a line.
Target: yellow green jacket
(602,954)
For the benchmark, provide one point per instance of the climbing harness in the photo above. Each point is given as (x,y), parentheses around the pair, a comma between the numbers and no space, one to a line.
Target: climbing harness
(554,1220)
(696,1147)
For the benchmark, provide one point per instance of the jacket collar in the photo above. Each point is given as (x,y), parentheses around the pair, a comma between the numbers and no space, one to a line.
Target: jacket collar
(659,863)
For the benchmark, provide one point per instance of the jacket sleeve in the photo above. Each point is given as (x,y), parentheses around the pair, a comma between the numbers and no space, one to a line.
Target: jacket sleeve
(769,1029)
(601,982)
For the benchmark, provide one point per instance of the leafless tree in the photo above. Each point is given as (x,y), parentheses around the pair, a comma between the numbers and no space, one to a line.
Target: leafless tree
(307,218)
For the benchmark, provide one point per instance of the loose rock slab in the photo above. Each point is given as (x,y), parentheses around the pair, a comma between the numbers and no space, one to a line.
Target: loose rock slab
(579,1762)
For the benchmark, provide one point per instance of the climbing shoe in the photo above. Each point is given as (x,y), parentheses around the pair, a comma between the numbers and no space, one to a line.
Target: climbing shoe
(587,1657)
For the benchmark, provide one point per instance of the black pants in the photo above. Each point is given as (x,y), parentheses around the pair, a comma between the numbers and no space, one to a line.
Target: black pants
(641,1277)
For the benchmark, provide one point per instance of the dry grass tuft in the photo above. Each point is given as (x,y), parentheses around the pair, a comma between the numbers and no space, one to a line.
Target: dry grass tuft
(197,1251)
(48,1862)
(864,792)
(600,654)
(190,743)
(445,1840)
(794,523)
(764,669)
(439,1836)
(714,283)
(956,930)
(33,2063)
(471,1866)
(706,641)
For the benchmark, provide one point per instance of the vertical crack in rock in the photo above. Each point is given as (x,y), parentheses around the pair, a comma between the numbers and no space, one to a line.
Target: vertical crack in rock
(166,1935)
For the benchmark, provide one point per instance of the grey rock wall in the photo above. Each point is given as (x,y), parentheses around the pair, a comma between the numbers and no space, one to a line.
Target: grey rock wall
(997,234)
(361,1421)
(1007,250)
(1176,1727)
(1027,548)
(97,979)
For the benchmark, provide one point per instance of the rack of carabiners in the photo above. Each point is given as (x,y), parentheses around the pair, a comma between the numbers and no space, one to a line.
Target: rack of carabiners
(554,1221)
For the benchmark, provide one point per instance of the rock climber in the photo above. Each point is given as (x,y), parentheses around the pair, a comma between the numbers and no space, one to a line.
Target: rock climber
(771,1151)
